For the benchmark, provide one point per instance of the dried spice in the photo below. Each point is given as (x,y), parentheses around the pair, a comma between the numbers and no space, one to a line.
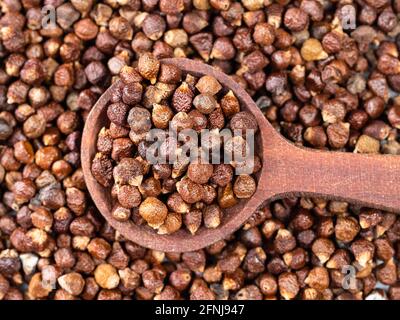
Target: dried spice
(138,184)
(48,72)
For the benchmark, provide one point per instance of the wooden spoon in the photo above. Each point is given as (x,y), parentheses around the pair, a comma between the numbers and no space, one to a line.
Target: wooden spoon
(364,179)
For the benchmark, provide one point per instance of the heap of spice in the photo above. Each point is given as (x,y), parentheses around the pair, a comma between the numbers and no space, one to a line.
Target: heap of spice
(324,73)
(184,192)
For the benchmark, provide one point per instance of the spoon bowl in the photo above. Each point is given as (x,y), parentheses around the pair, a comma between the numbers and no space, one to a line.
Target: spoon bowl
(287,170)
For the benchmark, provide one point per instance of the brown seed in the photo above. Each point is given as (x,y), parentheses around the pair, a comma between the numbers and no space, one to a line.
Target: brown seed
(205,103)
(338,134)
(374,107)
(104,141)
(150,187)
(190,191)
(230,104)
(332,42)
(318,278)
(208,84)
(99,248)
(268,284)
(34,126)
(180,279)
(176,38)
(23,152)
(284,241)
(102,169)
(295,19)
(148,67)
(244,186)
(132,93)
(394,116)
(216,119)
(288,285)
(346,229)
(68,122)
(23,190)
(200,172)
(129,278)
(303,220)
(323,249)
(296,259)
(121,213)
(193,22)
(181,121)
(182,98)
(154,26)
(171,6)
(264,34)
(333,111)
(139,120)
(169,73)
(45,157)
(388,64)
(243,39)
(120,28)
(86,29)
(32,72)
(96,72)
(176,204)
(153,281)
(128,196)
(192,220)
(370,218)
(312,50)
(61,169)
(339,259)
(226,197)
(387,273)
(363,251)
(129,75)
(223,49)
(128,171)
(42,219)
(313,8)
(106,276)
(199,120)
(212,216)
(153,211)
(222,175)
(366,144)
(229,263)
(202,42)
(51,137)
(121,148)
(37,288)
(172,223)
(161,116)
(377,129)
(73,283)
(384,249)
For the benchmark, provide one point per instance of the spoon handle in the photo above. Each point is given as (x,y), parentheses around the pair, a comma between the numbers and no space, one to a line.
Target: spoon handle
(368,180)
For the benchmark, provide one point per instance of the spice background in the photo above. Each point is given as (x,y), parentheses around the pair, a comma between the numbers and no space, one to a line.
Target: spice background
(326,74)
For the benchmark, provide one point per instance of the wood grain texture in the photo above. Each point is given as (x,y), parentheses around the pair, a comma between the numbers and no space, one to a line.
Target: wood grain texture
(362,179)
(287,170)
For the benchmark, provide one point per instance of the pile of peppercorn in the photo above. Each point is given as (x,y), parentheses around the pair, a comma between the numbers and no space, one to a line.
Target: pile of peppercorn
(325,74)
(182,190)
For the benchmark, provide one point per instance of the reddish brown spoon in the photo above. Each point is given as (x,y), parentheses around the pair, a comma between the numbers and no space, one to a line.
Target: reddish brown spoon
(368,180)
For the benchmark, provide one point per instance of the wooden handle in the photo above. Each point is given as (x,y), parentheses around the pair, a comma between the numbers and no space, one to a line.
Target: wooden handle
(368,180)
